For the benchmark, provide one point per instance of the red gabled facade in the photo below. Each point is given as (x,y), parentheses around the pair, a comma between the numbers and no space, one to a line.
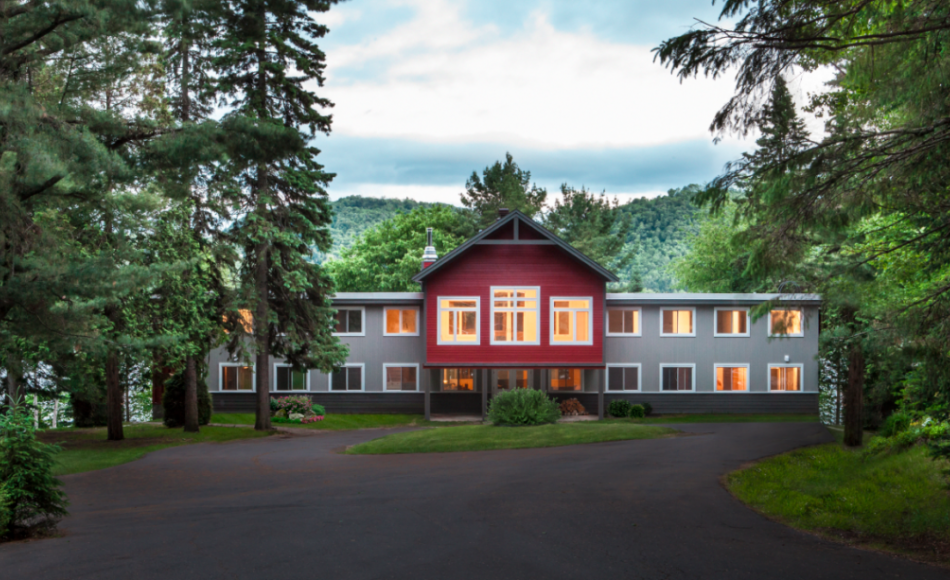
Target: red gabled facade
(515,253)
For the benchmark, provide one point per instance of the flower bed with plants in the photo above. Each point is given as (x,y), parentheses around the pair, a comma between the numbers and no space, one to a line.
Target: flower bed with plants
(296,410)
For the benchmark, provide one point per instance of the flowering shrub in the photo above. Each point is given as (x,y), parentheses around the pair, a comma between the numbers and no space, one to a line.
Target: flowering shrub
(293,404)
(312,419)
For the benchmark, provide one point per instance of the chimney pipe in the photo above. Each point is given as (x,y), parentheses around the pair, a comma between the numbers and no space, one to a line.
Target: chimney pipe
(429,256)
(502,212)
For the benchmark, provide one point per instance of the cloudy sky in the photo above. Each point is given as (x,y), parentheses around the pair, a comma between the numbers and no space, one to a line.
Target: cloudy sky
(427,91)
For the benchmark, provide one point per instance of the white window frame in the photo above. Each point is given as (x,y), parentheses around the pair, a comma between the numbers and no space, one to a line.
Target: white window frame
(346,366)
(801,334)
(401,365)
(550,389)
(362,310)
(273,387)
(537,318)
(748,323)
(679,335)
(678,365)
(801,376)
(637,366)
(636,309)
(590,320)
(400,309)
(478,319)
(221,366)
(748,376)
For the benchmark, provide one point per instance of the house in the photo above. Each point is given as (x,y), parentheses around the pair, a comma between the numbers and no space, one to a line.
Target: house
(517,307)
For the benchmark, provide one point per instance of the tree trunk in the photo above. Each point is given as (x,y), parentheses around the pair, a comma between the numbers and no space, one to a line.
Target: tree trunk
(263,343)
(113,397)
(13,386)
(854,394)
(191,396)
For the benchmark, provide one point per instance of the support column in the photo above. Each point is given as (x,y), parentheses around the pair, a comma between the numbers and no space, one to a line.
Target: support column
(427,382)
(484,394)
(600,392)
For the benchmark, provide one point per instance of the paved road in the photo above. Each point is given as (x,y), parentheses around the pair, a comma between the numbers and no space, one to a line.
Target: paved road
(292,508)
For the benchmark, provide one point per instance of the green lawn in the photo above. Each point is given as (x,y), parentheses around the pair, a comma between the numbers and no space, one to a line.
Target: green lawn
(722,418)
(88,449)
(485,437)
(898,502)
(334,422)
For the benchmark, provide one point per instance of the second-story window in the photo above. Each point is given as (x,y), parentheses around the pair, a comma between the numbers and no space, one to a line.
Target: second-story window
(458,320)
(402,322)
(677,322)
(515,317)
(785,322)
(349,322)
(571,321)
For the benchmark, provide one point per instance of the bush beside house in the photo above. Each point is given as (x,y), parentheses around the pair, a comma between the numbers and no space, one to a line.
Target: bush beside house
(523,407)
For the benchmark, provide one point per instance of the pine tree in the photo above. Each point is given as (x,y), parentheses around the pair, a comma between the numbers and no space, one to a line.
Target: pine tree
(502,186)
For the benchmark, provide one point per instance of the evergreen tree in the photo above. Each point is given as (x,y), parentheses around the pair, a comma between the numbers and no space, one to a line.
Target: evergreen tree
(502,186)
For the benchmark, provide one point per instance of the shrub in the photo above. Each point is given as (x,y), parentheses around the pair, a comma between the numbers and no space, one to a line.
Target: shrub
(647,408)
(523,407)
(312,419)
(894,424)
(318,410)
(32,494)
(637,412)
(4,511)
(294,404)
(572,407)
(173,400)
(619,408)
(273,405)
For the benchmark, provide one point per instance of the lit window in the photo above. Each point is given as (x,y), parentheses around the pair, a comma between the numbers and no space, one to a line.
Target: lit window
(287,379)
(347,378)
(402,322)
(677,322)
(458,321)
(349,322)
(507,378)
(785,378)
(623,377)
(401,377)
(732,377)
(565,379)
(785,322)
(571,321)
(623,322)
(676,378)
(732,322)
(237,377)
(458,379)
(515,316)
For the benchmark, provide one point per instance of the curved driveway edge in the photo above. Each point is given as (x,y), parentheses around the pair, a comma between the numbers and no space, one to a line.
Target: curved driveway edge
(290,507)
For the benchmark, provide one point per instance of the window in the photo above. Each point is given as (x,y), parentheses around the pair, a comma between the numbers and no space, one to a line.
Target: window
(349,322)
(236,377)
(347,378)
(732,322)
(571,321)
(674,378)
(785,323)
(287,379)
(401,377)
(785,377)
(402,322)
(515,316)
(732,377)
(677,322)
(458,380)
(623,322)
(566,379)
(508,378)
(623,377)
(458,321)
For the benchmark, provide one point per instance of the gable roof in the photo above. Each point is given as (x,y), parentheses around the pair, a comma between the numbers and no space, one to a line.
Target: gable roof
(522,219)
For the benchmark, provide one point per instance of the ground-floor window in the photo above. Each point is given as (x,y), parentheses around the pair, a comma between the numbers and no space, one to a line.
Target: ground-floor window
(677,377)
(237,377)
(348,378)
(785,377)
(623,377)
(458,380)
(287,379)
(401,377)
(732,377)
(507,378)
(566,380)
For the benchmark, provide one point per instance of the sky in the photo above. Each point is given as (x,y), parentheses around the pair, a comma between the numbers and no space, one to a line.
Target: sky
(428,91)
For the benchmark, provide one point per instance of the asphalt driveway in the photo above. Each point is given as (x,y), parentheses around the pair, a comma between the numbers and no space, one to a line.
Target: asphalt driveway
(292,508)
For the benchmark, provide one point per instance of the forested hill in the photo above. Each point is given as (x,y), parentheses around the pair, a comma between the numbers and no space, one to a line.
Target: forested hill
(661,225)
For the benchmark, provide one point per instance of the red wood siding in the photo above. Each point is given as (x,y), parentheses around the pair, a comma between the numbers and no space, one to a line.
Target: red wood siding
(482,267)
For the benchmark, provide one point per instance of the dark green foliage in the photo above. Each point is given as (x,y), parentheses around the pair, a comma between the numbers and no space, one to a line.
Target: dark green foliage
(619,408)
(173,401)
(273,405)
(318,409)
(523,407)
(647,408)
(637,412)
(502,186)
(33,497)
(354,215)
(5,513)
(894,424)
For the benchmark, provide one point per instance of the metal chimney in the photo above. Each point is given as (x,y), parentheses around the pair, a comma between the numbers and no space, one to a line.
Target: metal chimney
(429,256)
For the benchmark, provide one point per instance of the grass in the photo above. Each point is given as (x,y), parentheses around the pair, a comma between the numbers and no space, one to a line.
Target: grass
(721,418)
(88,449)
(486,437)
(898,502)
(334,422)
